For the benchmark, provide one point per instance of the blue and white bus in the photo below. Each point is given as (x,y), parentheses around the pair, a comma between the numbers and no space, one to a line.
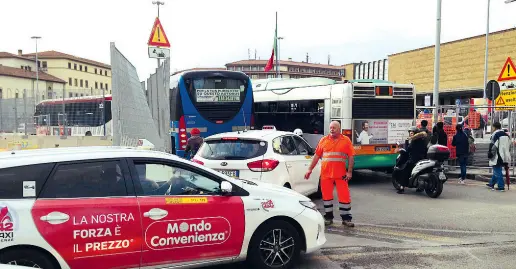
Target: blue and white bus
(213,101)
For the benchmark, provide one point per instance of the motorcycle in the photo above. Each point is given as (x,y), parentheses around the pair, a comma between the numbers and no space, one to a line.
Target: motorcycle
(427,174)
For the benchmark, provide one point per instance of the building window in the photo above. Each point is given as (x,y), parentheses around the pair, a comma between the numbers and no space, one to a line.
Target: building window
(106,86)
(44,64)
(96,85)
(76,95)
(16,95)
(86,84)
(75,82)
(105,73)
(80,67)
(101,86)
(85,69)
(1,93)
(70,81)
(70,94)
(95,70)
(81,83)
(69,65)
(75,66)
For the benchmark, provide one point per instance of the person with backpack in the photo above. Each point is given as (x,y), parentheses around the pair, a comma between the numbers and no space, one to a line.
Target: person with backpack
(499,155)
(461,143)
(193,144)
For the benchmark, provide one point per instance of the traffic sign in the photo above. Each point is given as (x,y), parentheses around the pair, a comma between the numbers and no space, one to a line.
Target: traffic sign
(158,37)
(492,89)
(508,71)
(159,53)
(506,98)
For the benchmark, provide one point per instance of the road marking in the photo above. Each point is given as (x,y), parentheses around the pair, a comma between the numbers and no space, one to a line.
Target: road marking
(407,234)
(433,230)
(471,255)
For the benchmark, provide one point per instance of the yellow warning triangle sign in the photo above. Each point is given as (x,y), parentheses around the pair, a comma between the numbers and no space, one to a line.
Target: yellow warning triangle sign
(508,71)
(158,37)
(500,101)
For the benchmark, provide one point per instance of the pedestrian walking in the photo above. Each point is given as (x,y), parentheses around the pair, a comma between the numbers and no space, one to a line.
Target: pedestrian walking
(499,155)
(193,144)
(333,150)
(461,143)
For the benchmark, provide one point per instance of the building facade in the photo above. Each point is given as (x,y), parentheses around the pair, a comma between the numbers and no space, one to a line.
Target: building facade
(291,69)
(461,66)
(372,70)
(84,77)
(18,78)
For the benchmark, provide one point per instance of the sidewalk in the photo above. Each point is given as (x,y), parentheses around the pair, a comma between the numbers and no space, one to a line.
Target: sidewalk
(478,174)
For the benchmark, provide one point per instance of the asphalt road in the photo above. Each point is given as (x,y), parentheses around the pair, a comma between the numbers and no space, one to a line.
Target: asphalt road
(468,226)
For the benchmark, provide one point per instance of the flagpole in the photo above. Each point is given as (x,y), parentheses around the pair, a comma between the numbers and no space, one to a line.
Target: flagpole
(276,48)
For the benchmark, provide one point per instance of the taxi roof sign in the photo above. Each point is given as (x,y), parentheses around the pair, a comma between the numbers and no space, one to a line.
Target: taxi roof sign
(158,37)
(144,144)
(508,71)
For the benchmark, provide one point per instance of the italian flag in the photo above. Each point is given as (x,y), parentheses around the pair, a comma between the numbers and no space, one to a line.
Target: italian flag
(270,63)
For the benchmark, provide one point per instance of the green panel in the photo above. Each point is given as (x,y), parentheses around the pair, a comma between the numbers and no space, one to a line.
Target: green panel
(374,161)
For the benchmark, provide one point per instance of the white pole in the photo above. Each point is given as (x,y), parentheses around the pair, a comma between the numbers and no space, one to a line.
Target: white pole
(437,60)
(487,48)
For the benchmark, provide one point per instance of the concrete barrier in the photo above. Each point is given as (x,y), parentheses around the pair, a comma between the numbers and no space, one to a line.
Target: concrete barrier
(20,142)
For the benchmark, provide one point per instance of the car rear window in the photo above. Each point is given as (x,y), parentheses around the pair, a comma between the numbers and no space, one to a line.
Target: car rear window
(232,149)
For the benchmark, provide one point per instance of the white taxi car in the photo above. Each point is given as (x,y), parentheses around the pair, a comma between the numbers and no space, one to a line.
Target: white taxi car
(267,155)
(114,207)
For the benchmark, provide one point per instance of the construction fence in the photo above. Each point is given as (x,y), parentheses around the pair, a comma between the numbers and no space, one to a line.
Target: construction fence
(477,121)
(48,112)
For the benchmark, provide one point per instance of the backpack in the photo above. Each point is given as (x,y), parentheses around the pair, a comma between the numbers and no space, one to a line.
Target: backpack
(472,147)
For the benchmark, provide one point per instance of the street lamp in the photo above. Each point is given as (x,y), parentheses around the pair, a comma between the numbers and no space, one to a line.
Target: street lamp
(437,59)
(37,67)
(487,42)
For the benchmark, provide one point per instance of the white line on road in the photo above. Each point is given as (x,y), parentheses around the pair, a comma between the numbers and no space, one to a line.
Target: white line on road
(434,230)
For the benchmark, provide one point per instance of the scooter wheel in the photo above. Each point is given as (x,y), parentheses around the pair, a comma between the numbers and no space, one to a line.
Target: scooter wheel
(435,186)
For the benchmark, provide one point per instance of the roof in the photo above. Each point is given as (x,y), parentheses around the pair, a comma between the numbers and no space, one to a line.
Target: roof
(52,155)
(52,54)
(21,73)
(200,69)
(288,63)
(252,134)
(10,55)
(457,41)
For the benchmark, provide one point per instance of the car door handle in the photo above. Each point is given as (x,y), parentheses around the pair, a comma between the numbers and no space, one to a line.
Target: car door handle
(156,213)
(55,217)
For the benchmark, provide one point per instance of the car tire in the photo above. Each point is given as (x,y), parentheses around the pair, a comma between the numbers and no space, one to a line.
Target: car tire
(28,257)
(269,236)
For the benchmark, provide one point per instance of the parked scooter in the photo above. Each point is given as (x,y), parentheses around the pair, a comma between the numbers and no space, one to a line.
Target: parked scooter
(427,175)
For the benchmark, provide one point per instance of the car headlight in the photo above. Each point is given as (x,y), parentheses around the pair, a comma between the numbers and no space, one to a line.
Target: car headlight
(308,204)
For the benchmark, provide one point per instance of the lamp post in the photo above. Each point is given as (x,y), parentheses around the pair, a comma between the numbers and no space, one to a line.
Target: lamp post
(37,67)
(437,60)
(487,42)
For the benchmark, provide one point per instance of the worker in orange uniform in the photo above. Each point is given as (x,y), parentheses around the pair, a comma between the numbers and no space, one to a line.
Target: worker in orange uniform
(335,149)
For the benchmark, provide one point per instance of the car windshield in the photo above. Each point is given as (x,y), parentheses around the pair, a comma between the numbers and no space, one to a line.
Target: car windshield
(238,149)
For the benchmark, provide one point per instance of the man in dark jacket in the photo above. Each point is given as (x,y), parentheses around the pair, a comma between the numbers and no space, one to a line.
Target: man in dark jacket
(424,128)
(439,136)
(461,143)
(416,148)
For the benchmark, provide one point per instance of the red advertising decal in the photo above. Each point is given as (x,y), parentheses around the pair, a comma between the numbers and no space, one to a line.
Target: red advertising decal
(7,222)
(267,205)
(92,233)
(184,233)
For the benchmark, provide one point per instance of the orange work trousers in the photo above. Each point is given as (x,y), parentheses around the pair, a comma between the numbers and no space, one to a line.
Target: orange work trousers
(327,187)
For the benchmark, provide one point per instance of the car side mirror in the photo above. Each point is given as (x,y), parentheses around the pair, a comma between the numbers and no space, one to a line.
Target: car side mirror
(226,187)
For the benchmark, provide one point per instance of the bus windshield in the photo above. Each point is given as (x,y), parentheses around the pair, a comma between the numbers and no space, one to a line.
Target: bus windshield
(214,90)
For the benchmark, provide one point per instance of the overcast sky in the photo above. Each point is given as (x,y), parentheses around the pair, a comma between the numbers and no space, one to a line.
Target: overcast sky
(207,33)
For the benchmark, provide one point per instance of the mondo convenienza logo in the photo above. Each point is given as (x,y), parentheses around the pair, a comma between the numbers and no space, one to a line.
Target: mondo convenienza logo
(188,233)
